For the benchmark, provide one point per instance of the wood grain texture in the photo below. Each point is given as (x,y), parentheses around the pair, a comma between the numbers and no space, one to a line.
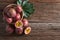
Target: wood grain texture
(3,5)
(46,1)
(40,31)
(13,1)
(46,12)
(8,1)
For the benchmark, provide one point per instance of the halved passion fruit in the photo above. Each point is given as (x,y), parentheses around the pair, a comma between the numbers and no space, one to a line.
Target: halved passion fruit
(18,24)
(27,30)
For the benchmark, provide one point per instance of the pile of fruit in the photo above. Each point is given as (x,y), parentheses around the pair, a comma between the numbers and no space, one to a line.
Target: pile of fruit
(16,23)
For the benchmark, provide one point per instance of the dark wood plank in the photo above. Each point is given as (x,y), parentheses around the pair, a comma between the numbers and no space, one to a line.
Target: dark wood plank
(12,1)
(51,1)
(3,5)
(40,31)
(46,12)
(8,1)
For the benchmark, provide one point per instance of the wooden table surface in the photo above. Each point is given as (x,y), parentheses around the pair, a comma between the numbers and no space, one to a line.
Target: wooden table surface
(45,21)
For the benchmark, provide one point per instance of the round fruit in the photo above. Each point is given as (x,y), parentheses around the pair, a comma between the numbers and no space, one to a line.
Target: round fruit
(18,17)
(19,31)
(27,30)
(9,29)
(11,12)
(19,8)
(18,24)
(8,20)
(25,22)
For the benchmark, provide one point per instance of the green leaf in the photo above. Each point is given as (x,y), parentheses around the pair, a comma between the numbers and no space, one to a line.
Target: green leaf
(25,14)
(19,2)
(28,8)
(25,1)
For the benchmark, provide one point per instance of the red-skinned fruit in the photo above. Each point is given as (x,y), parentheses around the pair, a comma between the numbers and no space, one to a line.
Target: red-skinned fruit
(19,31)
(17,17)
(9,29)
(19,9)
(25,22)
(11,12)
(8,20)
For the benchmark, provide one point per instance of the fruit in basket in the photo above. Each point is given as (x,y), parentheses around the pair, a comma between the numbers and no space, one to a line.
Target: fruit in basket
(9,29)
(11,12)
(19,31)
(18,24)
(8,20)
(17,17)
(19,8)
(27,30)
(25,22)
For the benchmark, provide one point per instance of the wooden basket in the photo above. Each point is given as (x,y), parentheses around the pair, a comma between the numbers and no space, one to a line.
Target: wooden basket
(11,5)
